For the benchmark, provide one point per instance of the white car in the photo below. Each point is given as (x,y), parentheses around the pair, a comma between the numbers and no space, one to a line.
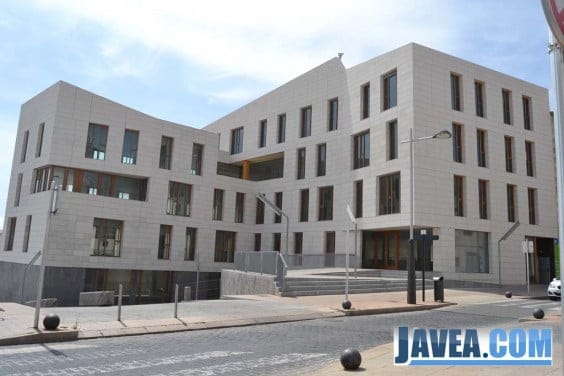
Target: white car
(553,290)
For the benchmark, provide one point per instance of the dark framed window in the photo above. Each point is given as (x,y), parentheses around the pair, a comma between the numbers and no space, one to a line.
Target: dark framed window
(27,229)
(459,196)
(527,113)
(506,103)
(305,122)
(479,98)
(129,149)
(217,214)
(361,150)
(457,143)
(165,238)
(321,159)
(190,248)
(365,101)
(511,208)
(392,140)
(482,147)
(304,205)
(237,140)
(239,207)
(390,193)
(10,234)
(330,248)
(39,145)
(333,114)
(298,243)
(509,157)
(530,158)
(41,179)
(259,213)
(24,146)
(18,190)
(325,212)
(107,237)
(281,128)
(224,246)
(179,199)
(390,85)
(276,241)
(99,184)
(300,171)
(358,199)
(165,157)
(532,198)
(258,242)
(455,92)
(483,198)
(262,133)
(197,159)
(278,202)
(95,142)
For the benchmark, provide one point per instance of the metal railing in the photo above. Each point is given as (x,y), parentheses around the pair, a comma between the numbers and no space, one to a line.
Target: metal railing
(266,262)
(336,260)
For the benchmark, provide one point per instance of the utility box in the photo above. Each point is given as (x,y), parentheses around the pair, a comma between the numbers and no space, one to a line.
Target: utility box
(439,287)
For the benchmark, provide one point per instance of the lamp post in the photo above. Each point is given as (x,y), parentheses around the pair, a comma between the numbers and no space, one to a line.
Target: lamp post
(278,211)
(411,288)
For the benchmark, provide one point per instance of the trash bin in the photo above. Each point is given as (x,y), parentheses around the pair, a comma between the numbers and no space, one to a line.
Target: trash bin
(439,286)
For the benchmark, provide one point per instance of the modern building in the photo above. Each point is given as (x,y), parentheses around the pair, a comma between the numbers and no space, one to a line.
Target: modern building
(147,203)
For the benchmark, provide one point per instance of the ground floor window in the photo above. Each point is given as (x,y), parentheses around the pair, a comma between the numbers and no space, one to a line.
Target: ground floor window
(224,246)
(471,251)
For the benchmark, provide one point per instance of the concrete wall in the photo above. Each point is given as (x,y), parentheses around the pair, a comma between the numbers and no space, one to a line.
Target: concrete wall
(239,283)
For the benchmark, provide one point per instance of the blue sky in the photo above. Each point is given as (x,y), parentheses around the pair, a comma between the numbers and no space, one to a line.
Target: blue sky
(192,63)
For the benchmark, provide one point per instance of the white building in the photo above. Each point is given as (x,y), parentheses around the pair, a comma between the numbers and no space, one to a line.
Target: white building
(143,199)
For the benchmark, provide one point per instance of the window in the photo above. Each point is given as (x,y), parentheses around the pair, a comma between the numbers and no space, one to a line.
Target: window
(471,251)
(276,240)
(527,113)
(165,236)
(298,243)
(24,146)
(457,143)
(511,209)
(259,212)
(18,190)
(530,155)
(237,140)
(483,198)
(325,204)
(190,249)
(304,205)
(107,237)
(532,198)
(392,140)
(257,242)
(39,145)
(482,147)
(455,92)
(365,101)
(321,159)
(281,128)
(262,134)
(479,98)
(390,86)
(509,159)
(41,179)
(239,207)
(333,115)
(129,150)
(165,158)
(217,214)
(97,183)
(458,196)
(197,159)
(179,199)
(300,173)
(25,245)
(95,142)
(506,99)
(305,122)
(330,248)
(224,246)
(358,199)
(278,202)
(10,234)
(390,193)
(361,150)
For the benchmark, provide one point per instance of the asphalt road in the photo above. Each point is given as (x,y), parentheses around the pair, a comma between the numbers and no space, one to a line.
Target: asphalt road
(282,349)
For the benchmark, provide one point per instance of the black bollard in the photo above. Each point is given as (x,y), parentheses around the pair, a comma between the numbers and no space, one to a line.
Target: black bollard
(51,321)
(538,313)
(508,294)
(350,359)
(346,304)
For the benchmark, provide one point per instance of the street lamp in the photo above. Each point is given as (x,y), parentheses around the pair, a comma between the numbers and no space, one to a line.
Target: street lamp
(411,289)
(278,211)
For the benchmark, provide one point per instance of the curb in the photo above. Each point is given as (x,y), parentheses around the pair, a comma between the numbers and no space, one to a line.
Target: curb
(41,337)
(376,311)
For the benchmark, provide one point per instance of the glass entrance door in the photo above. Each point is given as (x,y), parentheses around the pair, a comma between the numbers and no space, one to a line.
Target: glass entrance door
(381,249)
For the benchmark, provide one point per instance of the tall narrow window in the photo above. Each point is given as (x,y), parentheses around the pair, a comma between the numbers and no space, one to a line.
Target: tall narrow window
(300,170)
(365,101)
(321,159)
(458,196)
(129,150)
(298,243)
(278,202)
(479,98)
(390,85)
(305,122)
(165,158)
(482,146)
(361,150)
(165,236)
(258,242)
(333,114)
(95,141)
(262,133)
(259,213)
(358,199)
(392,140)
(276,242)
(532,196)
(457,143)
(197,159)
(239,207)
(281,128)
(530,155)
(190,248)
(10,234)
(304,205)
(217,204)
(483,198)
(237,140)
(224,246)
(455,92)
(325,204)
(39,145)
(511,209)
(24,146)
(527,113)
(509,158)
(506,99)
(179,199)
(330,248)
(107,237)
(18,190)
(389,193)
(26,233)
(41,179)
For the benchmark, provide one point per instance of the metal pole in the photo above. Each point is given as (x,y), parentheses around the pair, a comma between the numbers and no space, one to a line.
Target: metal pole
(347,266)
(355,251)
(197,274)
(25,273)
(260,259)
(120,295)
(527,271)
(287,232)
(499,261)
(424,242)
(411,289)
(176,301)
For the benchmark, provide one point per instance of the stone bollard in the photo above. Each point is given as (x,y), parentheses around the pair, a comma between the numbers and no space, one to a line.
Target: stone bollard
(187,293)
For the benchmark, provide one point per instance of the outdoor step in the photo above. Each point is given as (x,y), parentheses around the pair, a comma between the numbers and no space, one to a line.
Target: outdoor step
(363,286)
(338,291)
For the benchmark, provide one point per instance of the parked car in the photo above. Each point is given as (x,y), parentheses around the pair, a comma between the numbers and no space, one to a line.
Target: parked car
(553,290)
